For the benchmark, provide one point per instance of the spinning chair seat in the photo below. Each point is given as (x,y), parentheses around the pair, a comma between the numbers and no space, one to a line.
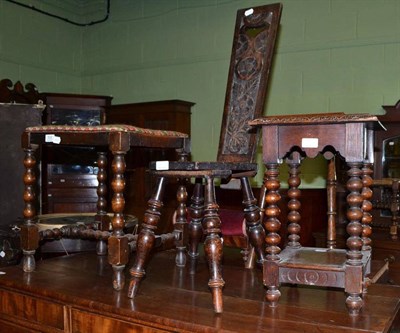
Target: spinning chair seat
(202,169)
(188,166)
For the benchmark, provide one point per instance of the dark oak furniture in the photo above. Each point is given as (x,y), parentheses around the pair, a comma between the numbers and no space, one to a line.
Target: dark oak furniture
(388,202)
(292,138)
(172,115)
(387,170)
(118,139)
(69,174)
(19,107)
(60,298)
(252,51)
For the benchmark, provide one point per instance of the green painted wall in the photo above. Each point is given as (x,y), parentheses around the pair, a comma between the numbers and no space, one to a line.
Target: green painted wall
(332,56)
(38,49)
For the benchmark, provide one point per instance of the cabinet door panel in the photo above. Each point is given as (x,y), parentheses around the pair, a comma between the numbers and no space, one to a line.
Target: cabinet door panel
(13,328)
(84,322)
(32,309)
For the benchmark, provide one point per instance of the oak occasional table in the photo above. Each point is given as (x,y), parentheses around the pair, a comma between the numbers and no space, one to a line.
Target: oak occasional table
(293,138)
(117,139)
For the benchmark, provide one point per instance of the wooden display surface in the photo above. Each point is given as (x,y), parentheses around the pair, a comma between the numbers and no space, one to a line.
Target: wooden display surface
(73,294)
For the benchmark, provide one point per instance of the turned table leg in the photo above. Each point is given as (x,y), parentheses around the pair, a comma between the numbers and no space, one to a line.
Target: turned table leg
(102,217)
(366,194)
(354,269)
(118,253)
(272,226)
(29,230)
(294,202)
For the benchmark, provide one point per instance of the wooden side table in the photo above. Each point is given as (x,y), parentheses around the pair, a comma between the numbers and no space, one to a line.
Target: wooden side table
(292,138)
(118,139)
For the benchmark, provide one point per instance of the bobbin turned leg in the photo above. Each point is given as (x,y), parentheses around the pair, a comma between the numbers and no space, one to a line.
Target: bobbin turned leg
(366,206)
(118,252)
(366,219)
(102,217)
(29,230)
(213,244)
(394,209)
(331,185)
(146,237)
(354,269)
(272,225)
(294,202)
(255,231)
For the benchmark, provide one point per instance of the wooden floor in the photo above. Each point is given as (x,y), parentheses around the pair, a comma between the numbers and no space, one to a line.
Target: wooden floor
(74,294)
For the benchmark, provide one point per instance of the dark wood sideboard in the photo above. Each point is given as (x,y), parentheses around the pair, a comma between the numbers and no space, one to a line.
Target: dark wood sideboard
(69,177)
(387,161)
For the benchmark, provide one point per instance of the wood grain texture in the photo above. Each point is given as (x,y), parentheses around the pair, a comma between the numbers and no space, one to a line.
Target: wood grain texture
(176,301)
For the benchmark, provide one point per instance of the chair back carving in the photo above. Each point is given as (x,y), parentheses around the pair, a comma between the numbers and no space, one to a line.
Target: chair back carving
(253,46)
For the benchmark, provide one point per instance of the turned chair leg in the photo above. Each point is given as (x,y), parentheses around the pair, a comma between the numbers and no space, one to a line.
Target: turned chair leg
(213,244)
(196,211)
(181,226)
(146,237)
(255,231)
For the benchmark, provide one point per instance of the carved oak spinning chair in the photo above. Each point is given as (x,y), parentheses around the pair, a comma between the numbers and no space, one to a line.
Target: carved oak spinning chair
(252,52)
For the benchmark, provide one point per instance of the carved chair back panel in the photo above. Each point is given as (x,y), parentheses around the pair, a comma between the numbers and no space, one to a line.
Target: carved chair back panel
(253,46)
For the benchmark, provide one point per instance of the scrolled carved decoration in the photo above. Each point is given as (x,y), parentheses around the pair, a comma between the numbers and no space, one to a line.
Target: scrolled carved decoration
(249,55)
(17,93)
(310,278)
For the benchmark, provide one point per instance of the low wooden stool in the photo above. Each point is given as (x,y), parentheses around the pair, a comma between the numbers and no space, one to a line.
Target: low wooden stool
(119,139)
(292,138)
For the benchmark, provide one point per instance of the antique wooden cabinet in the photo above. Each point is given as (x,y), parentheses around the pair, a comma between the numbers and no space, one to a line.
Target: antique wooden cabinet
(387,165)
(70,174)
(172,115)
(20,107)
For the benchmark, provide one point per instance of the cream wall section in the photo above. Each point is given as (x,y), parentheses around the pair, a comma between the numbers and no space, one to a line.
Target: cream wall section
(332,56)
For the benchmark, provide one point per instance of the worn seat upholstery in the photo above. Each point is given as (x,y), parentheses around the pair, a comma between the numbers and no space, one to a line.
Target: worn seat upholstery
(118,139)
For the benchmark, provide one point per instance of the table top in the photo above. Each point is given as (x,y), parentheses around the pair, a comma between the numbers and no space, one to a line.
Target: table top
(317,118)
